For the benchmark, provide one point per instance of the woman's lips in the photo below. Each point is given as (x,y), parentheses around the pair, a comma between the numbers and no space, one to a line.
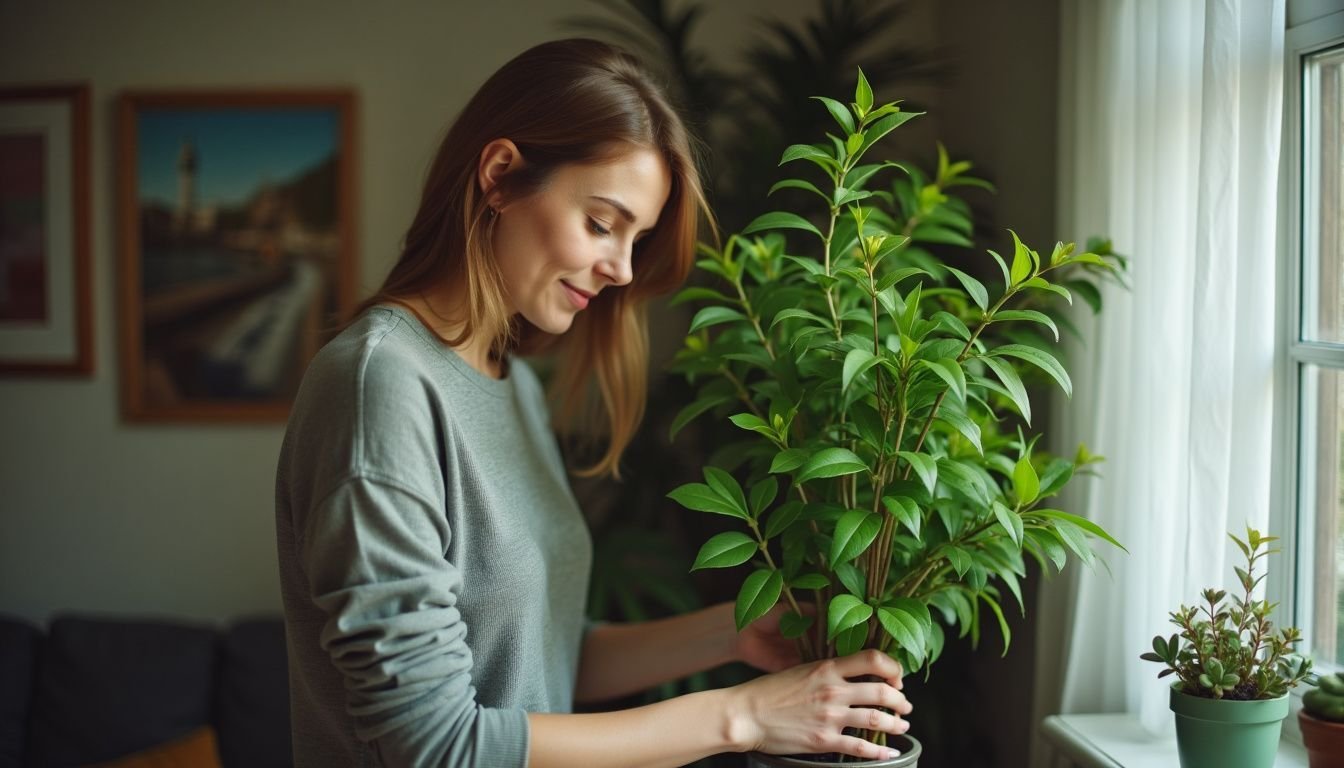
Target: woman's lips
(576,297)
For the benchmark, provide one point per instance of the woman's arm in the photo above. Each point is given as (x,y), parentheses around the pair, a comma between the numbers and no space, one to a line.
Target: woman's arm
(801,710)
(621,659)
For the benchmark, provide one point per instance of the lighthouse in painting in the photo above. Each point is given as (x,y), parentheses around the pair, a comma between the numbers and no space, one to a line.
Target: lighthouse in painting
(186,186)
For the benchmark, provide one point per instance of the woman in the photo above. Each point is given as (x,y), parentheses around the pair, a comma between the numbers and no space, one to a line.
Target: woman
(433,560)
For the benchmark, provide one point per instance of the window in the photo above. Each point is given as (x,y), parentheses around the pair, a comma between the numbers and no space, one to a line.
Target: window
(1311,476)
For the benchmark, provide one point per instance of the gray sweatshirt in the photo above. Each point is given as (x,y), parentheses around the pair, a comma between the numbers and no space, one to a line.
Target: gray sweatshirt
(433,560)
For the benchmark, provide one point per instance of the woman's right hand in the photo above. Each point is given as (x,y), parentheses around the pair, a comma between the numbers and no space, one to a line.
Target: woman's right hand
(804,710)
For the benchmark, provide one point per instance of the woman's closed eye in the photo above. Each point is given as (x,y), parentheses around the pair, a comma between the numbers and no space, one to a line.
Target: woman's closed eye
(597,228)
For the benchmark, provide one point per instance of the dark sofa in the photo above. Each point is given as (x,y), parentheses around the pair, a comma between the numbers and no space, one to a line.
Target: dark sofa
(91,689)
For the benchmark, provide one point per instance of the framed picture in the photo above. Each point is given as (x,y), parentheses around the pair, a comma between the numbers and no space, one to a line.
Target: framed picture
(46,313)
(237,225)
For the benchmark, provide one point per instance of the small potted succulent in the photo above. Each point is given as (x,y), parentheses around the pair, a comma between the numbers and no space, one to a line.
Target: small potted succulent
(1233,671)
(1322,721)
(884,483)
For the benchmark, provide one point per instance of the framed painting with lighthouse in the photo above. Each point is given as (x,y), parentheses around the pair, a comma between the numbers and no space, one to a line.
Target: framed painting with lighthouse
(237,226)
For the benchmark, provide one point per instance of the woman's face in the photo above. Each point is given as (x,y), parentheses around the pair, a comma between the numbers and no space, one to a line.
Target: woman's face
(560,247)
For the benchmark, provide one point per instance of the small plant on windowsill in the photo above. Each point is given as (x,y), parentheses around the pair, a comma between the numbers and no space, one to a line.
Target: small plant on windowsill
(1229,649)
(1233,670)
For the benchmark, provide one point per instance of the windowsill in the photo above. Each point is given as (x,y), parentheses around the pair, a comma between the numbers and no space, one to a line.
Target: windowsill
(1118,741)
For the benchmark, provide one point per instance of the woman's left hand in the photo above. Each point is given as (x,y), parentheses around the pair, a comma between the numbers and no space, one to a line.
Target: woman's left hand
(762,646)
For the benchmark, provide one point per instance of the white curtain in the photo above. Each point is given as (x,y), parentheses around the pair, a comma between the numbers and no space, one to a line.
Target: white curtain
(1170,120)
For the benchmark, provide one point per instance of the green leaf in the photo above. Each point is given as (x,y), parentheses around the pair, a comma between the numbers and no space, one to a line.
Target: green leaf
(845,612)
(781,220)
(1081,522)
(1043,360)
(1010,520)
(963,480)
(810,581)
(713,316)
(933,233)
(854,533)
(904,629)
(795,314)
(974,287)
(1041,283)
(1003,624)
(788,460)
(950,372)
(696,293)
(793,625)
(953,323)
(958,557)
(797,184)
(963,424)
(1028,314)
(687,415)
(1022,262)
(725,551)
(863,94)
(726,486)
(758,595)
(831,462)
(784,516)
(751,422)
(809,153)
(1013,383)
(702,498)
(856,362)
(1026,485)
(851,640)
(905,510)
(924,466)
(875,132)
(839,111)
(763,495)
(852,579)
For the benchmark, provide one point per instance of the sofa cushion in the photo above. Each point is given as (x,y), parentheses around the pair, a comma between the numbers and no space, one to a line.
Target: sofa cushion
(19,644)
(107,688)
(197,749)
(252,704)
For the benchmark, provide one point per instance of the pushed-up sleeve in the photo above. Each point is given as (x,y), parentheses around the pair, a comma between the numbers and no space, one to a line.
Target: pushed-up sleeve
(374,554)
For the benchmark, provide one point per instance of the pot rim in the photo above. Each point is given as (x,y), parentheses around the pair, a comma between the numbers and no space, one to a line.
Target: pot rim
(791,761)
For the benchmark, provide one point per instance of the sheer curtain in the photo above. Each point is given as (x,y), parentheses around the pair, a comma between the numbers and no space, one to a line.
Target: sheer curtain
(1170,119)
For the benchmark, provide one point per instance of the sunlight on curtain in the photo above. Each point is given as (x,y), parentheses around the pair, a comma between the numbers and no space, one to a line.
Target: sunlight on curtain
(1170,119)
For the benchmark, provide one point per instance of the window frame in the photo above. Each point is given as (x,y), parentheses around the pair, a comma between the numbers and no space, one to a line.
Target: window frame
(1289,581)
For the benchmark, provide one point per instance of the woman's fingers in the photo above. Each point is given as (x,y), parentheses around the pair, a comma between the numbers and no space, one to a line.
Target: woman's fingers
(853,745)
(879,695)
(871,662)
(875,720)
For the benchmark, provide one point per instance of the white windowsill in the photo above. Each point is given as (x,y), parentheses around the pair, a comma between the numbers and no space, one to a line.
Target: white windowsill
(1118,741)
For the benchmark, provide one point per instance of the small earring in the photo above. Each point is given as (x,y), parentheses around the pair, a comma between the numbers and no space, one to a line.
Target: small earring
(492,212)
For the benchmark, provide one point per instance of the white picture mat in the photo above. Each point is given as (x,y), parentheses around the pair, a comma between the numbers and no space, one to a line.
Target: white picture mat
(56,339)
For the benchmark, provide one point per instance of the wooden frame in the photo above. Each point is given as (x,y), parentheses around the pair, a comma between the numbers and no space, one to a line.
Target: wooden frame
(225,298)
(46,307)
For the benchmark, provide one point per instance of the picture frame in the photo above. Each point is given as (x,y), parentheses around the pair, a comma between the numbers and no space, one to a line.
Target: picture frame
(46,304)
(236,219)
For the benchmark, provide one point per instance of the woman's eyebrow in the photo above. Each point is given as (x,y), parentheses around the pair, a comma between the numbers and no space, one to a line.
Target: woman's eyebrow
(625,212)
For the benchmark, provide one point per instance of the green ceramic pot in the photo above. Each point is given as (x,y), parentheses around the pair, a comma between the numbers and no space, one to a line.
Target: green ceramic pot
(909,758)
(1227,734)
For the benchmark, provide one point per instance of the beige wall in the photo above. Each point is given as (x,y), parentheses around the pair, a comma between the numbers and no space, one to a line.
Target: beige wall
(100,515)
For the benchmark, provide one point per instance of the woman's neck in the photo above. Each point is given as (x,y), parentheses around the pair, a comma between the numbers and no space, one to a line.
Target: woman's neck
(475,350)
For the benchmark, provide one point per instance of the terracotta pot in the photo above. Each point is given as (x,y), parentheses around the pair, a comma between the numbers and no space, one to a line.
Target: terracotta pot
(1324,741)
(909,758)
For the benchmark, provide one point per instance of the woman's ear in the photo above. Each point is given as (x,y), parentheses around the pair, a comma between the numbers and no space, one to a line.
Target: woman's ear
(498,158)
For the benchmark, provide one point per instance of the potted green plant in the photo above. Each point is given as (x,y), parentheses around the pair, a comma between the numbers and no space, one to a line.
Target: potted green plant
(1233,671)
(1322,721)
(885,478)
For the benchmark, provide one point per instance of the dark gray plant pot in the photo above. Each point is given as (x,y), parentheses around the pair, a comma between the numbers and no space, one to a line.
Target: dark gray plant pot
(909,758)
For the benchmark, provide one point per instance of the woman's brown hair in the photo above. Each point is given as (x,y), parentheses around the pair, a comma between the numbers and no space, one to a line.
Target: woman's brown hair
(575,101)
